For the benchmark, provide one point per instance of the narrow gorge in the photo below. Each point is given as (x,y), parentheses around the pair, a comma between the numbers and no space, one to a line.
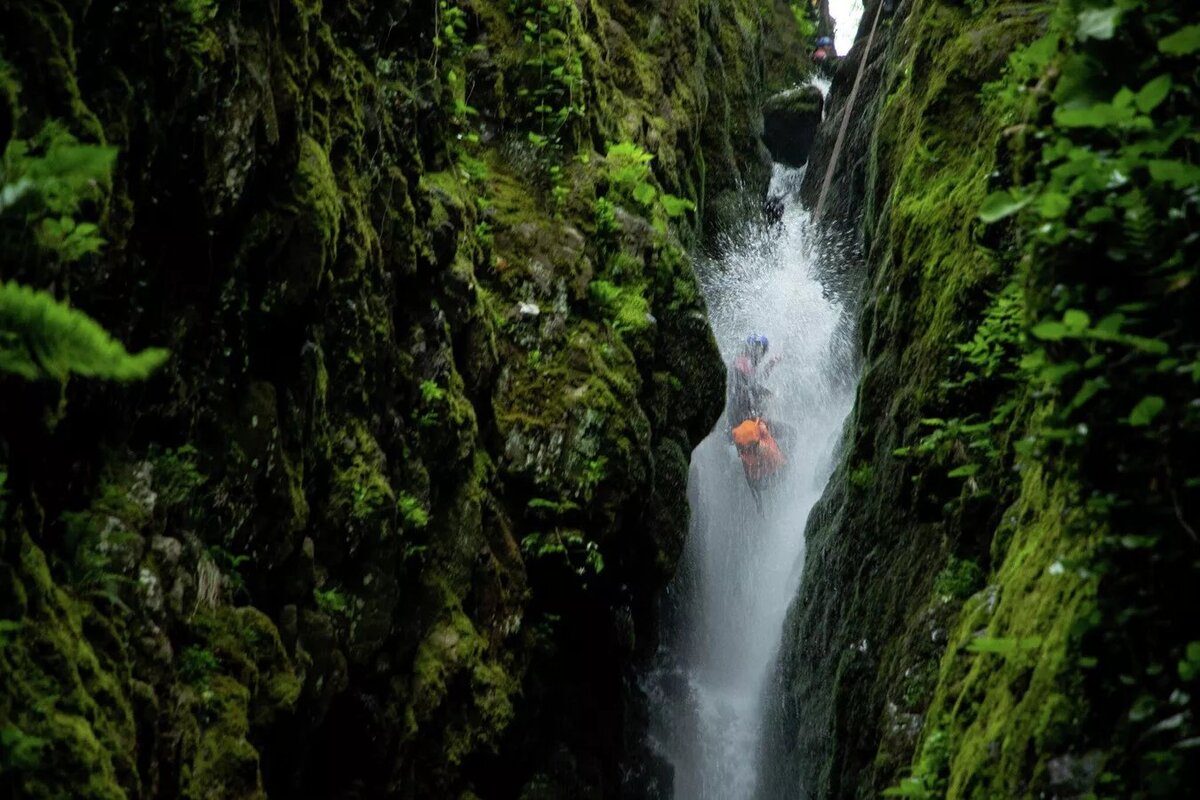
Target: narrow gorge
(371,376)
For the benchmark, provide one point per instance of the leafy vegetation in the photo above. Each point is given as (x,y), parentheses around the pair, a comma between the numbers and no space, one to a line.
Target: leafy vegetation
(196,663)
(44,181)
(625,307)
(959,579)
(631,180)
(41,337)
(581,555)
(413,512)
(1090,355)
(802,11)
(551,85)
(331,601)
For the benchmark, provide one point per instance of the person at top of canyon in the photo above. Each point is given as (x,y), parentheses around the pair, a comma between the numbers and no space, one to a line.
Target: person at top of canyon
(746,375)
(823,55)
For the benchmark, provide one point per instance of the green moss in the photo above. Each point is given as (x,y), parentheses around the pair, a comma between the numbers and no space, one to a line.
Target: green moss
(225,763)
(57,690)
(413,512)
(862,476)
(574,413)
(997,708)
(959,579)
(361,491)
(195,663)
(453,650)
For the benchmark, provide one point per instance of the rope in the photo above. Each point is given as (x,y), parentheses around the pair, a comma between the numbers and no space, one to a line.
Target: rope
(837,145)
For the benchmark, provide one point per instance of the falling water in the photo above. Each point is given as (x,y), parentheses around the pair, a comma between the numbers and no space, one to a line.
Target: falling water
(846,14)
(740,569)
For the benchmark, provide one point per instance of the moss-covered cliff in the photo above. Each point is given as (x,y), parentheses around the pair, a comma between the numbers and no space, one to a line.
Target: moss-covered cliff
(417,463)
(998,578)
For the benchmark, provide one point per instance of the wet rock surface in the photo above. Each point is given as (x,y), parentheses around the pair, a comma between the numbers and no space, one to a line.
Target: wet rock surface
(790,121)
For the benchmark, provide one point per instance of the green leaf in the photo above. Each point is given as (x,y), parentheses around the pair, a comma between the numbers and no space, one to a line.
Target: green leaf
(1146,410)
(1098,23)
(1050,330)
(1153,93)
(1179,174)
(965,471)
(43,338)
(1054,205)
(1097,115)
(1182,42)
(987,644)
(676,206)
(1111,324)
(1130,542)
(908,787)
(1098,214)
(1087,392)
(644,193)
(1076,320)
(998,205)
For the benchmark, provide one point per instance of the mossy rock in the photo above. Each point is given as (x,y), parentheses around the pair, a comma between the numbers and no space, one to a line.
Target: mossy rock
(790,121)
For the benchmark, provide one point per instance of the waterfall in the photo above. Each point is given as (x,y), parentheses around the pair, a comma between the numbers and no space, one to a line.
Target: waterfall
(740,569)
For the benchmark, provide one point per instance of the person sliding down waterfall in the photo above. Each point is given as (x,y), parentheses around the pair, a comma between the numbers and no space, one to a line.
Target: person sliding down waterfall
(751,432)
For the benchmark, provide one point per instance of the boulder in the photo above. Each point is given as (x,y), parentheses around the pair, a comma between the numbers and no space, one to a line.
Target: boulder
(790,120)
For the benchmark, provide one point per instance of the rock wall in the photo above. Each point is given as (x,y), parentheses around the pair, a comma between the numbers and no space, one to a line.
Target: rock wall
(389,521)
(992,591)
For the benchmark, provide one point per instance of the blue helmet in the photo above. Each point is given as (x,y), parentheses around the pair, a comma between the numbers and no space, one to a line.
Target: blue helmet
(757,339)
(824,41)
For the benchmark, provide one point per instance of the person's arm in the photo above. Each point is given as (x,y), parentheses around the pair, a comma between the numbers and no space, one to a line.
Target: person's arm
(770,365)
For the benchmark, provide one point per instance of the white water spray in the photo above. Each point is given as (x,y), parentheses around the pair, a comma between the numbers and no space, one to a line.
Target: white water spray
(740,569)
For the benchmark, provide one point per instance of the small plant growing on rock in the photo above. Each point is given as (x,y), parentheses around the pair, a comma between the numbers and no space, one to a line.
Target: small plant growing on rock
(196,663)
(580,554)
(959,580)
(631,177)
(413,512)
(432,396)
(626,308)
(331,601)
(176,474)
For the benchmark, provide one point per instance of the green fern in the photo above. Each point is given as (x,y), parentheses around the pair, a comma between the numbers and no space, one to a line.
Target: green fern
(1139,224)
(44,181)
(43,338)
(56,169)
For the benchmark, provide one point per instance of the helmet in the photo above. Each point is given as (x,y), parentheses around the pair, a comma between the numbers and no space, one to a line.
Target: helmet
(824,41)
(757,340)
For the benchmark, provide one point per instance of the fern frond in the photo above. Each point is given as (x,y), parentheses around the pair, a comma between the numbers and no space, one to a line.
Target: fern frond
(43,338)
(1139,223)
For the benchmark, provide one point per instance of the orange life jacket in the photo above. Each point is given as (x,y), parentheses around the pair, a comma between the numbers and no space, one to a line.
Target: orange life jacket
(758,450)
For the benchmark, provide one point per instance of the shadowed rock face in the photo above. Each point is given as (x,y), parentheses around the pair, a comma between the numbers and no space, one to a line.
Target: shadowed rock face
(389,522)
(790,121)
